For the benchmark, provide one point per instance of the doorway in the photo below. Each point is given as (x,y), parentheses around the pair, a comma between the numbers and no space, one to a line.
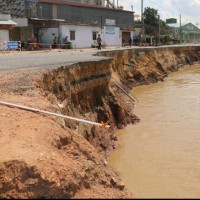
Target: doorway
(126,36)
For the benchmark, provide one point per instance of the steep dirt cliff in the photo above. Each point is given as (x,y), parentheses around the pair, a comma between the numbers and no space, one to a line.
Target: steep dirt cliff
(144,66)
(49,157)
(85,90)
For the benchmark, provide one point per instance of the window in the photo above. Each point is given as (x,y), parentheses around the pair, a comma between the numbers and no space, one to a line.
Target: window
(94,35)
(72,35)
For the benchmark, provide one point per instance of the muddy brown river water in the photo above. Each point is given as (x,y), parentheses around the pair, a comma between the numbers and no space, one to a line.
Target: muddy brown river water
(160,156)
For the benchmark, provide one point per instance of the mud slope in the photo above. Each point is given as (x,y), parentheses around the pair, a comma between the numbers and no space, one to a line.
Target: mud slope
(42,158)
(48,157)
(85,90)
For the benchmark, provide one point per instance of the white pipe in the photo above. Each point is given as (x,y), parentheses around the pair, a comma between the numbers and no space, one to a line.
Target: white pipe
(55,114)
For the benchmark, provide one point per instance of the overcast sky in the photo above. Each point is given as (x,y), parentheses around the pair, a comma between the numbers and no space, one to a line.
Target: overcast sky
(188,9)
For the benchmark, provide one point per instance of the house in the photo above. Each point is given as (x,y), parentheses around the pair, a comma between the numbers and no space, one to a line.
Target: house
(6,25)
(80,20)
(189,33)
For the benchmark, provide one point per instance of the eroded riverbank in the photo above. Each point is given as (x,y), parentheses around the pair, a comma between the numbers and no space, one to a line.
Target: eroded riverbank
(64,159)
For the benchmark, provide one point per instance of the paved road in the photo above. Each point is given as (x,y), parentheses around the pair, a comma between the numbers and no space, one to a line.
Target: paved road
(46,59)
(49,59)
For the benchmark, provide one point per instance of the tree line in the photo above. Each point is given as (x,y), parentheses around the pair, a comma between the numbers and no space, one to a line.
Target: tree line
(151,24)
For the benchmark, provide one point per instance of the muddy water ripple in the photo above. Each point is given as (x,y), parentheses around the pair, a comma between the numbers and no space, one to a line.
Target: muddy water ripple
(160,156)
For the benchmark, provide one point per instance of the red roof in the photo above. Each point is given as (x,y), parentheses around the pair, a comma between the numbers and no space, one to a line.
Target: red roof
(76,4)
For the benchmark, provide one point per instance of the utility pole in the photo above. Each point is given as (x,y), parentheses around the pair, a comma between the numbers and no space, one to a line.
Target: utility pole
(142,20)
(101,23)
(180,30)
(41,11)
(159,28)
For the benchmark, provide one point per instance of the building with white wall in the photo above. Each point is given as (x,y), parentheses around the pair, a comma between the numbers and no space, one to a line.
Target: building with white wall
(85,36)
(80,36)
(80,21)
(6,24)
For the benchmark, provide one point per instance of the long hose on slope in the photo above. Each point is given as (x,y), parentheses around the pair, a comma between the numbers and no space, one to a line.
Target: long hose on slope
(55,114)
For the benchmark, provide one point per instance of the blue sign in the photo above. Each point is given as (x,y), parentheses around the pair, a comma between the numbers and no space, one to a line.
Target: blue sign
(12,45)
(110,30)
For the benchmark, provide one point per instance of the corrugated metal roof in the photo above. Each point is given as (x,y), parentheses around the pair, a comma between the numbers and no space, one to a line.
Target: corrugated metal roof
(9,22)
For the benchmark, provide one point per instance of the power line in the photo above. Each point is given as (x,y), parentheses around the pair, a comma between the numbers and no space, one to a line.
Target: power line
(185,18)
(163,7)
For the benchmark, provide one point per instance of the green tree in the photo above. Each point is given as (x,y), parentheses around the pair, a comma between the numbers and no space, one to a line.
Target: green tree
(137,24)
(167,39)
(151,22)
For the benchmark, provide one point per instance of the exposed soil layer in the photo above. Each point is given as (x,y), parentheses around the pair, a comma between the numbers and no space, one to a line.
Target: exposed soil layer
(49,157)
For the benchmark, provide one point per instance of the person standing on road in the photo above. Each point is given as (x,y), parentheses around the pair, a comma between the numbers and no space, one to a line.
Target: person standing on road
(66,42)
(55,41)
(123,42)
(99,42)
(130,41)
